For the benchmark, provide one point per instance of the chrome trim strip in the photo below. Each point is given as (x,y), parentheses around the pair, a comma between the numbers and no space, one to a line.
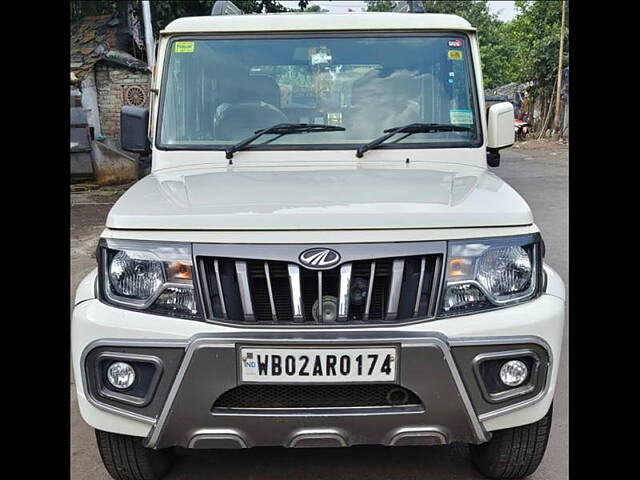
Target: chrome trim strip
(216,265)
(372,275)
(333,411)
(320,310)
(296,292)
(423,262)
(349,252)
(313,434)
(343,295)
(394,290)
(243,287)
(430,432)
(218,434)
(267,274)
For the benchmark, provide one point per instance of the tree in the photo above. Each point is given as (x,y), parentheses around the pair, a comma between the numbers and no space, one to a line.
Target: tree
(496,48)
(538,28)
(86,8)
(380,5)
(164,12)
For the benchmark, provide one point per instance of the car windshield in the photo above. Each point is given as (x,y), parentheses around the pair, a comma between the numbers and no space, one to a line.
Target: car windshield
(219,91)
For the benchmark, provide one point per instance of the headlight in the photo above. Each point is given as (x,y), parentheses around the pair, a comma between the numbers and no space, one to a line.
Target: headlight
(490,273)
(148,276)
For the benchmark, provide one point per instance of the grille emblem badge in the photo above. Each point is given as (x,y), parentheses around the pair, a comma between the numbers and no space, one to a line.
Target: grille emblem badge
(319,258)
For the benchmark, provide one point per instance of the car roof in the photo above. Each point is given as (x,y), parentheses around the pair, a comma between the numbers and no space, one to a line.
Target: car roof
(330,22)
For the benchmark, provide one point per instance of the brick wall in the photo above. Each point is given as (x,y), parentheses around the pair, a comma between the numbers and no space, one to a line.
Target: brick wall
(111,83)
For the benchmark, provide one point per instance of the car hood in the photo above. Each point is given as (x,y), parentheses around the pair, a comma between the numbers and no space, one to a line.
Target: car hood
(376,196)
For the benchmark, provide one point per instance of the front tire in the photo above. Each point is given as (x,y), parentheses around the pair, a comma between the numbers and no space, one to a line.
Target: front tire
(125,458)
(513,452)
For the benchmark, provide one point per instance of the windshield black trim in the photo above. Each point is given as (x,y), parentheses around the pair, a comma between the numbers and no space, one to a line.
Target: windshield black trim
(477,143)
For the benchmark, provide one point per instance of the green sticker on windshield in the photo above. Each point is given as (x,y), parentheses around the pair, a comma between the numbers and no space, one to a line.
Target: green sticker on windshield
(185,47)
(461,117)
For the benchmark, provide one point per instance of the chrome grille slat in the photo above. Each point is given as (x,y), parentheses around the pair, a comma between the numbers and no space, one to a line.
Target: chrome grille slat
(271,301)
(372,274)
(320,310)
(423,263)
(296,292)
(216,266)
(206,294)
(435,287)
(343,295)
(245,292)
(394,291)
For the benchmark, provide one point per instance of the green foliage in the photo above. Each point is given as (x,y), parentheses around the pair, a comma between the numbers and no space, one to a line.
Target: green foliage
(164,12)
(90,8)
(380,5)
(537,26)
(496,47)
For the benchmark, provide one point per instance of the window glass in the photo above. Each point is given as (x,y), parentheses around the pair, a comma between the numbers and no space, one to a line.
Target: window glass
(219,91)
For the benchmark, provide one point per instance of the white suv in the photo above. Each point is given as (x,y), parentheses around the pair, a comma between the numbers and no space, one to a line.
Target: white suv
(320,256)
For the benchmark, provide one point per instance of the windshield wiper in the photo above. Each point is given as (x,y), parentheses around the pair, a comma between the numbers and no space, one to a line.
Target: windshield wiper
(281,129)
(409,130)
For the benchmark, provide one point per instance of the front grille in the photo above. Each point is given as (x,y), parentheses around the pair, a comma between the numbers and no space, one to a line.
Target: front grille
(316,396)
(245,290)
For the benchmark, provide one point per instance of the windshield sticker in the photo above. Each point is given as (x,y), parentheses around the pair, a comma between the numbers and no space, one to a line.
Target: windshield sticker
(461,117)
(185,47)
(455,55)
(455,43)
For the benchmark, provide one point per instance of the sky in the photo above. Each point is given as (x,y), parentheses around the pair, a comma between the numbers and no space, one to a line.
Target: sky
(504,9)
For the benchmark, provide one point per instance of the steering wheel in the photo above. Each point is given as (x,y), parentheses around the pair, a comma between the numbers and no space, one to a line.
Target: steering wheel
(241,120)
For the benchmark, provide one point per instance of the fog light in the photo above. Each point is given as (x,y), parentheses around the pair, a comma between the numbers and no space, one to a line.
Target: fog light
(121,375)
(513,373)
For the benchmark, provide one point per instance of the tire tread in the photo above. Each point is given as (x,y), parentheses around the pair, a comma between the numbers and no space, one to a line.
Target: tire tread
(125,458)
(514,452)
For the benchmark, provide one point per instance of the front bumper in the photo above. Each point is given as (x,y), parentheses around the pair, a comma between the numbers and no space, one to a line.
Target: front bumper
(436,364)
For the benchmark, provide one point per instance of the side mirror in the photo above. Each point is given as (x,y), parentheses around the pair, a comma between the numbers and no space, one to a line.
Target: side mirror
(500,130)
(134,123)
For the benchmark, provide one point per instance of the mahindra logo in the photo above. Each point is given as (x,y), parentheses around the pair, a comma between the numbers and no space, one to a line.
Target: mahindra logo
(319,258)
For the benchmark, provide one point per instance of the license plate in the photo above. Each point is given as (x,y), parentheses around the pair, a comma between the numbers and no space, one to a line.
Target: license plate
(318,365)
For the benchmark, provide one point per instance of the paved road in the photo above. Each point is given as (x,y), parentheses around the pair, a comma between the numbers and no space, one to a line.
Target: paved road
(540,174)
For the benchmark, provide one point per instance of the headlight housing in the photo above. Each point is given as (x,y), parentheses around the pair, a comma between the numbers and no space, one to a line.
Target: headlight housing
(484,274)
(148,276)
